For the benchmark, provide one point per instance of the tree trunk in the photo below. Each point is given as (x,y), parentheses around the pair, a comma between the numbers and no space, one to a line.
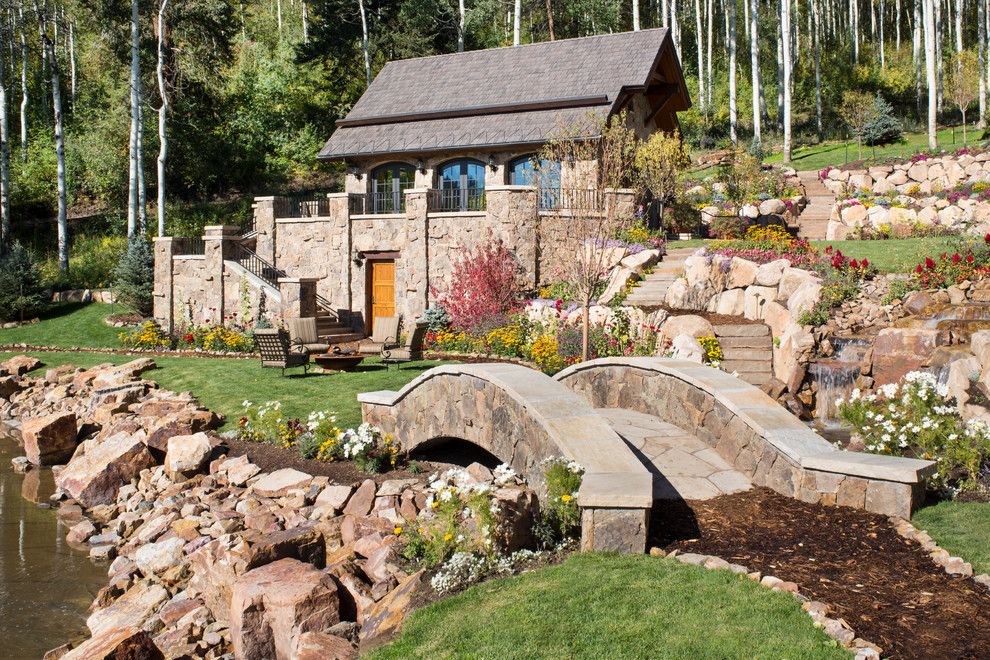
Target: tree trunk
(460,26)
(162,111)
(516,18)
(142,190)
(72,64)
(916,50)
(585,329)
(780,78)
(364,43)
(733,119)
(700,42)
(550,19)
(929,21)
(937,38)
(883,57)
(52,64)
(754,53)
(278,6)
(305,21)
(785,29)
(132,174)
(24,82)
(816,36)
(4,160)
(982,59)
(711,39)
(635,13)
(897,24)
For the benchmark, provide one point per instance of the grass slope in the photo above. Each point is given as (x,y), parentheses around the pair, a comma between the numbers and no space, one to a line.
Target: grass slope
(820,156)
(223,384)
(68,325)
(608,606)
(898,255)
(962,528)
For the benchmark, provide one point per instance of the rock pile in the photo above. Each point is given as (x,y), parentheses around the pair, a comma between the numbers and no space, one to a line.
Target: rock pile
(208,554)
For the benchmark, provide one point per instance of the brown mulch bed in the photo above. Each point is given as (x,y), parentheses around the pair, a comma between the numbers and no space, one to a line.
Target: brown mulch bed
(884,586)
(270,458)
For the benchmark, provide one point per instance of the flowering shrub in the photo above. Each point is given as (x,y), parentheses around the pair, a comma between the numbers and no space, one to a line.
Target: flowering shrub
(465,568)
(484,285)
(147,336)
(729,226)
(560,515)
(916,418)
(952,269)
(545,354)
(369,448)
(266,424)
(713,351)
(508,341)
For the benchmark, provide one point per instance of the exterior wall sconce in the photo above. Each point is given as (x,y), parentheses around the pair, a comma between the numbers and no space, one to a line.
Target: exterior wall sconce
(356,171)
(421,166)
(358,259)
(491,162)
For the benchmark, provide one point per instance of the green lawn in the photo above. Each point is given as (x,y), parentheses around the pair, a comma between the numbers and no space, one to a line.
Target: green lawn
(962,528)
(223,384)
(608,606)
(896,255)
(820,156)
(70,325)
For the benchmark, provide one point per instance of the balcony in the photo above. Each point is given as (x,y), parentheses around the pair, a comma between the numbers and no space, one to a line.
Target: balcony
(456,200)
(376,203)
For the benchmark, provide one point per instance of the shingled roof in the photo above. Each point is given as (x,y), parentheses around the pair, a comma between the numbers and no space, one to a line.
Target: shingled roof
(502,96)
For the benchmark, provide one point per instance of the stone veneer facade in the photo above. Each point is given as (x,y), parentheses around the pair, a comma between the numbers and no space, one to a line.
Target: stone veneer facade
(334,251)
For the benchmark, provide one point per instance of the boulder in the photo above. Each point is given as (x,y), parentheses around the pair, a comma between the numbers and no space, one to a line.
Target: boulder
(215,567)
(280,482)
(383,621)
(790,280)
(94,477)
(616,282)
(742,273)
(19,365)
(804,298)
(686,347)
(836,231)
(125,373)
(637,262)
(322,646)
(897,351)
(155,558)
(729,303)
(362,500)
(137,604)
(272,606)
(49,440)
(772,207)
(687,324)
(187,455)
(122,643)
(854,215)
(790,358)
(768,274)
(334,496)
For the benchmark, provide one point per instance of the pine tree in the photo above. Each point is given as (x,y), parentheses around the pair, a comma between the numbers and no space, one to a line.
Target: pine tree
(884,128)
(135,275)
(21,292)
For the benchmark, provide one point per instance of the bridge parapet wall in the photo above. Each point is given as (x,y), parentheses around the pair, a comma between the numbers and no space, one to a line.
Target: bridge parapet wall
(752,432)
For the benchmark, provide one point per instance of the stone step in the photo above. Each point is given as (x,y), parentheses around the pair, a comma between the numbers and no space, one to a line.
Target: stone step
(747,354)
(765,341)
(748,366)
(754,378)
(742,330)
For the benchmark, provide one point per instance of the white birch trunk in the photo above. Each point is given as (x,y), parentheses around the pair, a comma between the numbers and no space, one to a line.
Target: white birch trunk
(132,174)
(516,18)
(24,84)
(72,64)
(162,111)
(780,78)
(635,12)
(305,21)
(883,57)
(711,39)
(52,68)
(816,36)
(982,59)
(928,12)
(785,29)
(938,52)
(701,56)
(733,119)
(897,24)
(4,159)
(460,26)
(754,54)
(278,7)
(142,190)
(666,12)
(364,42)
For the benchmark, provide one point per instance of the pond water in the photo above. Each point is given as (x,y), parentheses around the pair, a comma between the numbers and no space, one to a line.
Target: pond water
(45,586)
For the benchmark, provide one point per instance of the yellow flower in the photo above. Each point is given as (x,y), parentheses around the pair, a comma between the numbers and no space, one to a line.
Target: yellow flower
(397,531)
(566,498)
(434,505)
(447,537)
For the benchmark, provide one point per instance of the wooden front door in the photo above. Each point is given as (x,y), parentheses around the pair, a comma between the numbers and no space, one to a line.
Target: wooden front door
(381,290)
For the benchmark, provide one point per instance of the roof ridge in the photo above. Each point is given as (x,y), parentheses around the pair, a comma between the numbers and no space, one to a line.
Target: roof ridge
(604,35)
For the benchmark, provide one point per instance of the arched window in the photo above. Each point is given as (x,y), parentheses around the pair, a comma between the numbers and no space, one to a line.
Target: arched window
(534,171)
(388,185)
(462,185)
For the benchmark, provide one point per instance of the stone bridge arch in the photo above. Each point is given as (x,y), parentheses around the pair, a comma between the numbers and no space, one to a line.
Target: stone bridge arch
(751,431)
(523,416)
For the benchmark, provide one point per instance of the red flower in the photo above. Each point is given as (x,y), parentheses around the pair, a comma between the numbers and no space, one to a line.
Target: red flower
(956,258)
(929,263)
(854,264)
(969,258)
(986,239)
(864,264)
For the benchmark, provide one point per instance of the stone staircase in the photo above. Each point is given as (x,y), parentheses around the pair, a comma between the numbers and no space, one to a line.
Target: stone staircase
(653,287)
(747,350)
(332,331)
(814,219)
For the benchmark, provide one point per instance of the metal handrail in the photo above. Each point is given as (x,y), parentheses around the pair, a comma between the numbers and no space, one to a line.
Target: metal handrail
(376,203)
(187,247)
(456,199)
(251,262)
(302,206)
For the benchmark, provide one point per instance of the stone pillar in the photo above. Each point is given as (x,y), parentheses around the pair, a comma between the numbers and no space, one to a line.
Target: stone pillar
(163,305)
(264,224)
(623,199)
(221,242)
(298,297)
(513,211)
(417,254)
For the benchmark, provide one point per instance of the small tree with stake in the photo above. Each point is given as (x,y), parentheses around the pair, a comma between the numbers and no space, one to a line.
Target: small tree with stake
(658,160)
(594,159)
(962,84)
(858,109)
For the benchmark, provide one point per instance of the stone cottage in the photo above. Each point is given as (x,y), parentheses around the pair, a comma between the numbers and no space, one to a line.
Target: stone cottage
(440,152)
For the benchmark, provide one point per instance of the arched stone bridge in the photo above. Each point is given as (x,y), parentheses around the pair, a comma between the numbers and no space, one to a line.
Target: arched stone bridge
(708,429)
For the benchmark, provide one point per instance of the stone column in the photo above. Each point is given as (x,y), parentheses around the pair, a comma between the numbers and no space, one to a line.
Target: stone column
(337,285)
(264,224)
(163,305)
(623,199)
(221,243)
(417,253)
(298,297)
(513,212)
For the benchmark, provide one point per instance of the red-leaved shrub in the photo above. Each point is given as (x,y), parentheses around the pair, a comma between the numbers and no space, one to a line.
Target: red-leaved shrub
(484,286)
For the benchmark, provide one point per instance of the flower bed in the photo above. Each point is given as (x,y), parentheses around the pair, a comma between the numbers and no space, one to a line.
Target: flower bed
(917,418)
(970,262)
(208,338)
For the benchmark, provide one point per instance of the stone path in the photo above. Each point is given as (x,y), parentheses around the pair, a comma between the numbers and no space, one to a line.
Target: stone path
(653,288)
(684,467)
(814,219)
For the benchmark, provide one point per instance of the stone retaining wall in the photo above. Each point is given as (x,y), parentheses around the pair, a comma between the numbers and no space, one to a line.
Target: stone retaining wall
(752,432)
(524,417)
(929,175)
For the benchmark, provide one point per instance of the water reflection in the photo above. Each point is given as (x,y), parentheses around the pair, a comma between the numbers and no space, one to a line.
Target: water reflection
(45,586)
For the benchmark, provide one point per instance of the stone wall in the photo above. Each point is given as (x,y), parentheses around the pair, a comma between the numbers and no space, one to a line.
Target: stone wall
(929,175)
(752,432)
(774,293)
